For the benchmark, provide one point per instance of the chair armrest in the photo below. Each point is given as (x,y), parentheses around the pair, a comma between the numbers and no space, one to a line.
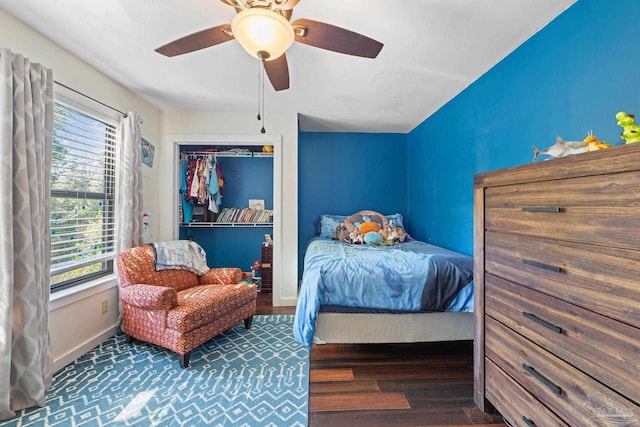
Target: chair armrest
(221,276)
(149,297)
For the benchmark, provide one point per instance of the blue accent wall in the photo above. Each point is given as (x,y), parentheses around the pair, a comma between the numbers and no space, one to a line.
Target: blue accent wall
(570,78)
(343,173)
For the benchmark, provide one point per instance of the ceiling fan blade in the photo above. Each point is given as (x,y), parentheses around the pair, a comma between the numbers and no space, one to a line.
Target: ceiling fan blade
(330,37)
(278,72)
(196,41)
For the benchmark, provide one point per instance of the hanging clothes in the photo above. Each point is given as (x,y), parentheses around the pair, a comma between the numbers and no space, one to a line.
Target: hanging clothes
(201,184)
(185,208)
(195,180)
(205,170)
(213,182)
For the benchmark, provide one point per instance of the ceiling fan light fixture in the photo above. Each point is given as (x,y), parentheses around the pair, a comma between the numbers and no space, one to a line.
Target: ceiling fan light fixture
(264,34)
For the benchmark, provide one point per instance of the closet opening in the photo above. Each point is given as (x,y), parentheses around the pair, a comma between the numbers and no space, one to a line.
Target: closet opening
(228,201)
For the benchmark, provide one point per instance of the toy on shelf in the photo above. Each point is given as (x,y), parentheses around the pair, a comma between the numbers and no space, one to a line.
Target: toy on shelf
(631,131)
(564,148)
(561,148)
(593,144)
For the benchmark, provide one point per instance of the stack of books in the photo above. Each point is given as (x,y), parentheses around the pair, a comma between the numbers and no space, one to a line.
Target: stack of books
(245,215)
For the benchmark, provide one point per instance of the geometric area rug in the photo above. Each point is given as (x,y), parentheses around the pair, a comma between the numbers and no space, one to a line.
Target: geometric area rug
(256,377)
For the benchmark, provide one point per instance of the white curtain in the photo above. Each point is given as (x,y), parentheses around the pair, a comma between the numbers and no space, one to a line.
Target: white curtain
(129,184)
(26,135)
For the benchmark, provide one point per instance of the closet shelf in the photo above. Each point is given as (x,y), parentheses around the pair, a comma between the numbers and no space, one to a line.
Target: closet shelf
(226,224)
(230,153)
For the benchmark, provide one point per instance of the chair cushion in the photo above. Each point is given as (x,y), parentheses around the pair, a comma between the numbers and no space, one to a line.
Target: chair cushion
(221,276)
(204,304)
(136,265)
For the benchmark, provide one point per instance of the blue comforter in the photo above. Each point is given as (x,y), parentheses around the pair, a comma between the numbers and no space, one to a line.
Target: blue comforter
(412,276)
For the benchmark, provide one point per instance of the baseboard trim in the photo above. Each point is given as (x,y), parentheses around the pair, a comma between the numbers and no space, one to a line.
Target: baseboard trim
(62,361)
(288,302)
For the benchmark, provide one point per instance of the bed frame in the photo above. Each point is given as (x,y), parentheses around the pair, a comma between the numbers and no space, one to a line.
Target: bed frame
(362,328)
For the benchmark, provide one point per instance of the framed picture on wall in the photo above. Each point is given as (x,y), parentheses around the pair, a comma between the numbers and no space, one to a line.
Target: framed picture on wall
(147,152)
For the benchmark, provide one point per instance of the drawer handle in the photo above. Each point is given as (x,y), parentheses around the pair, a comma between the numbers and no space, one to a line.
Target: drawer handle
(528,421)
(554,388)
(553,209)
(551,326)
(541,265)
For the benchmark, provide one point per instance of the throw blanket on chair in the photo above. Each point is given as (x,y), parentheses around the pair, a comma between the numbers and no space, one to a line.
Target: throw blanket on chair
(180,255)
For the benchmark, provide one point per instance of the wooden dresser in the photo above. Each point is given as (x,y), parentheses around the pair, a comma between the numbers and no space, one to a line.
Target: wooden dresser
(557,290)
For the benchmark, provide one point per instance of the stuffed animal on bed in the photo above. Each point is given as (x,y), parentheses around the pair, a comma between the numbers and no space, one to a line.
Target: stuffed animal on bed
(369,227)
(373,238)
(341,233)
(394,233)
(354,228)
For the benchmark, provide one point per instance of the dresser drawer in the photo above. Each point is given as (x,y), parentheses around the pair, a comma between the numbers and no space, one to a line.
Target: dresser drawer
(605,280)
(267,253)
(568,392)
(587,209)
(514,402)
(579,336)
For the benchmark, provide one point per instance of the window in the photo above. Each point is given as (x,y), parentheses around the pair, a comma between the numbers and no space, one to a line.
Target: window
(82,197)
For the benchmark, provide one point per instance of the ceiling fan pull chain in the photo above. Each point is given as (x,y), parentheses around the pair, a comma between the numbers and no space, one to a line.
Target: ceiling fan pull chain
(262,96)
(259,75)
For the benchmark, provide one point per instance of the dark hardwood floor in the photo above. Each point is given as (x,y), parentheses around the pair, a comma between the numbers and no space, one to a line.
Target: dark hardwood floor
(417,384)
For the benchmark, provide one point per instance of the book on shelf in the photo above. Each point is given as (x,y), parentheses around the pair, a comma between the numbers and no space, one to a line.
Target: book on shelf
(244,215)
(228,216)
(256,204)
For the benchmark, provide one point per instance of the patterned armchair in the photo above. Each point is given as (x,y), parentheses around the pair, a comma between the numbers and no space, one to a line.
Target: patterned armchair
(178,309)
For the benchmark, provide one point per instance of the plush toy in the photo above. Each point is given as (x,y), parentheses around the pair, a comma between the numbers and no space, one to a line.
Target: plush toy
(393,233)
(561,148)
(593,144)
(355,238)
(631,131)
(397,234)
(355,227)
(344,235)
(368,227)
(373,238)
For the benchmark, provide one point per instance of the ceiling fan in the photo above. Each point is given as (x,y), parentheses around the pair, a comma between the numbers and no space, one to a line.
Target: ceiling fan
(264,30)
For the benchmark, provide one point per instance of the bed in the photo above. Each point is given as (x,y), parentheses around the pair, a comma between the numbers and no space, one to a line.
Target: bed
(359,293)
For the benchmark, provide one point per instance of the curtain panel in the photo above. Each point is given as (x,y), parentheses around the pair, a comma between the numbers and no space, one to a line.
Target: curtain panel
(129,183)
(26,135)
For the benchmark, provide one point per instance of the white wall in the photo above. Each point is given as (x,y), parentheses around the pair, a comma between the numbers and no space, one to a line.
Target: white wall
(75,323)
(219,124)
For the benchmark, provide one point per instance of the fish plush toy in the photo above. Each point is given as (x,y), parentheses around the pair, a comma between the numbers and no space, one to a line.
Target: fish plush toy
(565,148)
(561,148)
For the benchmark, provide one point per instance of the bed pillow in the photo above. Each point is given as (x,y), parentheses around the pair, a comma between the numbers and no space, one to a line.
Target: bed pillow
(396,219)
(328,224)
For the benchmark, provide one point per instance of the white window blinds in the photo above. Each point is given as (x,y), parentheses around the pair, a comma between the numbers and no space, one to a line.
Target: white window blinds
(82,197)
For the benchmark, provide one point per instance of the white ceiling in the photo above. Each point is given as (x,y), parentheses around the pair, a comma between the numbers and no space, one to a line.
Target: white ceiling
(432,50)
